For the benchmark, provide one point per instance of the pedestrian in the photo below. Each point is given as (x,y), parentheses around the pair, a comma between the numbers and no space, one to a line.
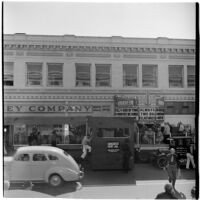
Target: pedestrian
(168,194)
(172,167)
(126,155)
(32,139)
(190,156)
(39,138)
(86,146)
(85,149)
(54,138)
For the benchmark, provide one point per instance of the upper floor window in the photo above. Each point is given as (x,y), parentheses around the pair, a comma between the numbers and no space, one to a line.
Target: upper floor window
(175,76)
(83,75)
(55,74)
(130,75)
(149,75)
(191,76)
(103,75)
(34,74)
(8,74)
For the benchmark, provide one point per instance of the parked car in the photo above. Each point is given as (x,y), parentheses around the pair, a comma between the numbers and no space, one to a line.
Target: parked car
(41,163)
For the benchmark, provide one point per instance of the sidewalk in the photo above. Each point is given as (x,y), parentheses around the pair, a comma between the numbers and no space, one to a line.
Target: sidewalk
(142,190)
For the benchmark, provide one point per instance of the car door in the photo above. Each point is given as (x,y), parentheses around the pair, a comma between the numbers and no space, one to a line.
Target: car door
(39,166)
(20,167)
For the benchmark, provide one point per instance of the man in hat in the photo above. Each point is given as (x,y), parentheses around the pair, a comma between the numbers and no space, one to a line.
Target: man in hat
(172,166)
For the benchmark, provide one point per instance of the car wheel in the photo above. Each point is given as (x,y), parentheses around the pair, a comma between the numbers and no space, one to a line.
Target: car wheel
(161,162)
(55,180)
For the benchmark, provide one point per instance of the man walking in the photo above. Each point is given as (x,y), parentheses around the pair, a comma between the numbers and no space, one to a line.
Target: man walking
(172,167)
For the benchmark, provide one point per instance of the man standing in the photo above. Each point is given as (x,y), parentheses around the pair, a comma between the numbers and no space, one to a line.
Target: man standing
(172,167)
(126,155)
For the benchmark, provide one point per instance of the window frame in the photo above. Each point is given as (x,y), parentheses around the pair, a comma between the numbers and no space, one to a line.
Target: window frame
(53,64)
(182,76)
(90,79)
(156,76)
(10,74)
(110,75)
(42,79)
(137,77)
(190,75)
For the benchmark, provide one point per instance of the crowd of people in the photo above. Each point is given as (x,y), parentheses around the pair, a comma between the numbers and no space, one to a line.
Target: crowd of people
(159,133)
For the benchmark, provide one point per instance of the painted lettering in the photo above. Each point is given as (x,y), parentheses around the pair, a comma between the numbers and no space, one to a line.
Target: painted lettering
(51,108)
(18,108)
(87,108)
(41,108)
(61,108)
(10,108)
(77,108)
(32,108)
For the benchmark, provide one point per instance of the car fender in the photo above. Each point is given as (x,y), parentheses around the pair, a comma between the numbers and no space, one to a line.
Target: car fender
(66,173)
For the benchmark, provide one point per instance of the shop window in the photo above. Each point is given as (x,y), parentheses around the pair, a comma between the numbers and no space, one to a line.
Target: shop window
(55,74)
(149,75)
(130,75)
(20,134)
(34,74)
(113,132)
(8,74)
(175,76)
(83,75)
(191,76)
(65,133)
(103,75)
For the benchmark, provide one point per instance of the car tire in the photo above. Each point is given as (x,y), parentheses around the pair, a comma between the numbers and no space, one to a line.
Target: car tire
(161,162)
(55,180)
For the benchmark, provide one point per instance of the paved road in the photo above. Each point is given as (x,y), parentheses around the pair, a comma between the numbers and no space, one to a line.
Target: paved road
(144,181)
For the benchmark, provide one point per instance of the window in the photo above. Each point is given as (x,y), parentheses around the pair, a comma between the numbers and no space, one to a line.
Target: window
(22,157)
(103,77)
(149,75)
(55,74)
(113,132)
(34,74)
(130,75)
(8,74)
(175,76)
(52,157)
(191,76)
(83,75)
(39,157)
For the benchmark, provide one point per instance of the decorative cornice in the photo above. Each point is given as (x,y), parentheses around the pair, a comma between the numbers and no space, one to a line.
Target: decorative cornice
(98,49)
(141,97)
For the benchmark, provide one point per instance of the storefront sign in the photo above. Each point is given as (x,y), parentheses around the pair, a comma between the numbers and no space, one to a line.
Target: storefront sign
(126,106)
(151,114)
(113,147)
(48,108)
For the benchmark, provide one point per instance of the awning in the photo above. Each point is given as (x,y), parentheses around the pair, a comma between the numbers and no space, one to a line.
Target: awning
(75,121)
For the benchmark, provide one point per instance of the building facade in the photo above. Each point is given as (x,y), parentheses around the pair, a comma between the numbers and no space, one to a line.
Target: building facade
(55,82)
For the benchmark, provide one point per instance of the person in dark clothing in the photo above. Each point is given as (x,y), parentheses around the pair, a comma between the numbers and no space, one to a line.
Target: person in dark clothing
(32,139)
(172,166)
(168,194)
(54,139)
(126,155)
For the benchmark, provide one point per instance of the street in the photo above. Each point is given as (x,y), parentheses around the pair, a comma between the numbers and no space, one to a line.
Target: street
(144,181)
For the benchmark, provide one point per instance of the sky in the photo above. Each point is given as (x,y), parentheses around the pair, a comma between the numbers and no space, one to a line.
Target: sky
(144,20)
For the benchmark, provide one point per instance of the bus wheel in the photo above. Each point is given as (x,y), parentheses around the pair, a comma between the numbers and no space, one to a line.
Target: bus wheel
(161,162)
